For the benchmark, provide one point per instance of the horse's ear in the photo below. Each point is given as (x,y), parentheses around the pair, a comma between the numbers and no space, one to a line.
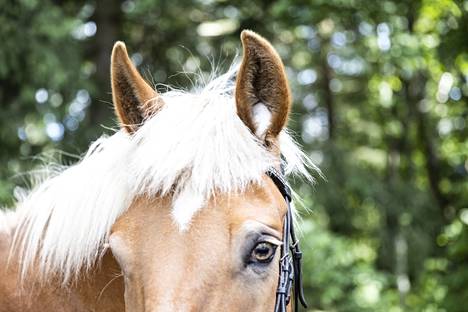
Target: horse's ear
(262,93)
(133,97)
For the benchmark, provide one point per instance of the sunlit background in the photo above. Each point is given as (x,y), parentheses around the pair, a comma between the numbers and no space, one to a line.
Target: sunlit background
(380,91)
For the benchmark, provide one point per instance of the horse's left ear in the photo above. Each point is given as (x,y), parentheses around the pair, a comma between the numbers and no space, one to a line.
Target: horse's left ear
(263,98)
(134,99)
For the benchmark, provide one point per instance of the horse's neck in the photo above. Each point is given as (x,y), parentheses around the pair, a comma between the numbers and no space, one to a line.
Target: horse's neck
(101,290)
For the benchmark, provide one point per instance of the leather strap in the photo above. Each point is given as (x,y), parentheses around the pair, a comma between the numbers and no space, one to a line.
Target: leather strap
(290,275)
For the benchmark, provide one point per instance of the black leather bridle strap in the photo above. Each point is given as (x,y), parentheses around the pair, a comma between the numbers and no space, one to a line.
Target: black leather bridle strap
(290,274)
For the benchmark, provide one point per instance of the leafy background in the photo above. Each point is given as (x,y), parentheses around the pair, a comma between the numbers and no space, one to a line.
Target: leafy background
(380,104)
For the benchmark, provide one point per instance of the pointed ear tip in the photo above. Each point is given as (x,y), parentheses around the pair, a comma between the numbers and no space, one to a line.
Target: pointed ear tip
(119,44)
(119,47)
(250,38)
(247,34)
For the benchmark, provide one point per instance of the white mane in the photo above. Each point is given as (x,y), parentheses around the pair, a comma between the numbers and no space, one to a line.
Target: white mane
(194,146)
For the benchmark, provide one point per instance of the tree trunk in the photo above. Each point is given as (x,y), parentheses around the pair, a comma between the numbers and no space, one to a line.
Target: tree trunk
(107,16)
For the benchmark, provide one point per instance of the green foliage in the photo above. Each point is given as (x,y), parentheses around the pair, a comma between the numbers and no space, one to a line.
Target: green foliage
(380,104)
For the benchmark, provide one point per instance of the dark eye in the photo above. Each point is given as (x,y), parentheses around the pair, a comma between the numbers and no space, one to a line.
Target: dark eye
(263,252)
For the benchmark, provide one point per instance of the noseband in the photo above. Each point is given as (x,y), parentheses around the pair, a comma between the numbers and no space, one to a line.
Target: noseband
(290,275)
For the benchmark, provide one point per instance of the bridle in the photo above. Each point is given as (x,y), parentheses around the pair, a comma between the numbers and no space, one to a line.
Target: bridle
(290,275)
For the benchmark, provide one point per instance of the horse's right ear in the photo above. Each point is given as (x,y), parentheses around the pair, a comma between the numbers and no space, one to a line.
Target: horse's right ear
(134,99)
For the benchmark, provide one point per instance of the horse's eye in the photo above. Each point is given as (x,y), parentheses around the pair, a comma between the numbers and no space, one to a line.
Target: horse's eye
(263,252)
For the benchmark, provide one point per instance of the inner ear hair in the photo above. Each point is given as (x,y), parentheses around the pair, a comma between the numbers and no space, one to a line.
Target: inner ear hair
(263,97)
(134,99)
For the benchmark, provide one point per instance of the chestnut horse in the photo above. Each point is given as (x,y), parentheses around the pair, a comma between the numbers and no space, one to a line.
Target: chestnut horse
(173,212)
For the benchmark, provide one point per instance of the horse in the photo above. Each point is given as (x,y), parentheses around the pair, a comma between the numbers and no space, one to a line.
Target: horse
(183,208)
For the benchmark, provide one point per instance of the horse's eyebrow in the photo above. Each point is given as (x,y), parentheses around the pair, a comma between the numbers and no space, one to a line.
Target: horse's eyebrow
(274,241)
(265,228)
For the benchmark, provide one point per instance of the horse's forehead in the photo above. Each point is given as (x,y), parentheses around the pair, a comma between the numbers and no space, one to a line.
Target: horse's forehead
(262,203)
(157,256)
